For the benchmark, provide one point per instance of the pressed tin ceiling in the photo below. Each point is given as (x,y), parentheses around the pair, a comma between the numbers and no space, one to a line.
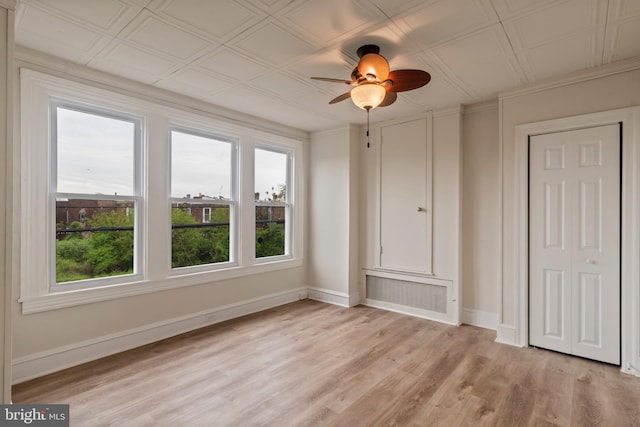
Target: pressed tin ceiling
(256,56)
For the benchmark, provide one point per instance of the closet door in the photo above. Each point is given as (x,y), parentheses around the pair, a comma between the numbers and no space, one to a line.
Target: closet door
(404,183)
(574,242)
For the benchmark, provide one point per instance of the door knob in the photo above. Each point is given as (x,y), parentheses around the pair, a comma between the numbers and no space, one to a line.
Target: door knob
(420,209)
(590,261)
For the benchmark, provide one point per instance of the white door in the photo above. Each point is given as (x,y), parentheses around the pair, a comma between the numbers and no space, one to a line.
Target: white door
(574,242)
(403,181)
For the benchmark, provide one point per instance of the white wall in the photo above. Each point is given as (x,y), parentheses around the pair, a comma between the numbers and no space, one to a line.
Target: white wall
(489,196)
(481,215)
(473,199)
(446,133)
(603,89)
(50,340)
(447,193)
(333,214)
(6,126)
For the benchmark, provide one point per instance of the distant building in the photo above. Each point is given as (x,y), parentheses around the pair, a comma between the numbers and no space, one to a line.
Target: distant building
(79,210)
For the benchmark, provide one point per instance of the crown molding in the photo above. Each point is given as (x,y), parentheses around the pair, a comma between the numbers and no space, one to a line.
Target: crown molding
(458,109)
(47,64)
(573,78)
(8,4)
(481,106)
(336,130)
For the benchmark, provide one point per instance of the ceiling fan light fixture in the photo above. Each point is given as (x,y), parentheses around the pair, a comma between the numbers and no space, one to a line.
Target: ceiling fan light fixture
(375,65)
(374,85)
(368,95)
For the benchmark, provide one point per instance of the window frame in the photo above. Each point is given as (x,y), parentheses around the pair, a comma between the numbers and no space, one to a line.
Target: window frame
(136,197)
(287,204)
(206,215)
(232,203)
(160,113)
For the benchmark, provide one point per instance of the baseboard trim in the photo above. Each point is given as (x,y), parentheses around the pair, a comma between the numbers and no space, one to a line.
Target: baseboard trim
(334,297)
(482,319)
(409,311)
(506,334)
(43,363)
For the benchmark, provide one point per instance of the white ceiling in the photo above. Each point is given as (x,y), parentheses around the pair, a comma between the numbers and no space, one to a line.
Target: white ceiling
(256,56)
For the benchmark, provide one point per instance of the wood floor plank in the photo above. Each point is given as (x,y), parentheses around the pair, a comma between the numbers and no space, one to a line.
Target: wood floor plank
(554,395)
(313,364)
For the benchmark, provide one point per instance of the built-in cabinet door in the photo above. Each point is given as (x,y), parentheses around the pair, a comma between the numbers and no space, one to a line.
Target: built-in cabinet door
(404,212)
(574,242)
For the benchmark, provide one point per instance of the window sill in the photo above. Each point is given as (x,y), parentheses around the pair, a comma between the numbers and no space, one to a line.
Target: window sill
(58,300)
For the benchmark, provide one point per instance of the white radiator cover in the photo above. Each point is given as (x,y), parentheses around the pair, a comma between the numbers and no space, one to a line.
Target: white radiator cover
(425,296)
(415,294)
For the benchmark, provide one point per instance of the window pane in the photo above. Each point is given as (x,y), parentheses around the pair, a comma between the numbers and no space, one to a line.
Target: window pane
(196,241)
(270,175)
(270,231)
(200,167)
(95,153)
(94,238)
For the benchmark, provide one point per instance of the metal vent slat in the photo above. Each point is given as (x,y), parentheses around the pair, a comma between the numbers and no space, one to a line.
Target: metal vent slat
(403,292)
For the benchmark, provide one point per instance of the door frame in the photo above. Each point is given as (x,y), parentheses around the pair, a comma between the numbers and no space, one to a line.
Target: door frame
(630,224)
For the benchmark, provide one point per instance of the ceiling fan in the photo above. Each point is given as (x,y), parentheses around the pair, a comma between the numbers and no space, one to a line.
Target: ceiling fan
(374,85)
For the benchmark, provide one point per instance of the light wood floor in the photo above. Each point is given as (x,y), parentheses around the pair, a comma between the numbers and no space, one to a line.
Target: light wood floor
(308,364)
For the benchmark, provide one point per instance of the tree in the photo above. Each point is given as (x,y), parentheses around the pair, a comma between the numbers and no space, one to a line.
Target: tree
(85,255)
(111,252)
(280,195)
(201,245)
(182,251)
(270,240)
(71,258)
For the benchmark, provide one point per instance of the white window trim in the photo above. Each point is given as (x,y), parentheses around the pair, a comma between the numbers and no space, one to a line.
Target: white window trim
(32,180)
(206,212)
(290,220)
(203,130)
(136,197)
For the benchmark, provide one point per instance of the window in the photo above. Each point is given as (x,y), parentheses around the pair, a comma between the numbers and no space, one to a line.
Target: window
(202,198)
(206,214)
(140,197)
(96,191)
(272,202)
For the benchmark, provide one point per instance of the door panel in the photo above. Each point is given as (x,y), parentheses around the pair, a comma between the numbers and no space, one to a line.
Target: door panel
(590,215)
(554,290)
(554,215)
(574,242)
(403,227)
(590,309)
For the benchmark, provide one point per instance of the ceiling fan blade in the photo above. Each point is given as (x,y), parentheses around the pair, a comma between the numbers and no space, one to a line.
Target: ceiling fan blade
(342,97)
(389,99)
(404,80)
(327,79)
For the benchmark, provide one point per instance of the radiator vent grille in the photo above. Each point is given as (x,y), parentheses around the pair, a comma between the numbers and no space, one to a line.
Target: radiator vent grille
(403,292)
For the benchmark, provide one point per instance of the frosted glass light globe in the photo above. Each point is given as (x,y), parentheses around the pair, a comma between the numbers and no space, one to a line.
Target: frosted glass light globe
(368,95)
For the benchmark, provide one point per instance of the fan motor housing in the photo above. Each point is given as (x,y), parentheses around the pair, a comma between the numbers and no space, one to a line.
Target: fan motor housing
(367,48)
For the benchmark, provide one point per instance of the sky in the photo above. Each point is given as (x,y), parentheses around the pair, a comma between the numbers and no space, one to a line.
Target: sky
(96,155)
